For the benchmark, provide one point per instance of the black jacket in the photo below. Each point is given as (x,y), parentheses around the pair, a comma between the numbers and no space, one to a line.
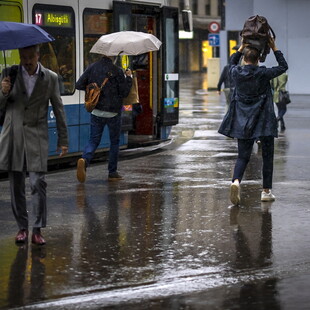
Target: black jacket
(225,78)
(117,87)
(251,112)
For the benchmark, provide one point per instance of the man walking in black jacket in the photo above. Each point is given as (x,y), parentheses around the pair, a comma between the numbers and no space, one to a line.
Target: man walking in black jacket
(228,83)
(107,112)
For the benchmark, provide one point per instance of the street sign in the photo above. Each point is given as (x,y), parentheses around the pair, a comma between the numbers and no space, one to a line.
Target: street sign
(214,39)
(214,27)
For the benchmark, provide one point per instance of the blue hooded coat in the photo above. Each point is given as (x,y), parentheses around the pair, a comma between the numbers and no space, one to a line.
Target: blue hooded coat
(251,111)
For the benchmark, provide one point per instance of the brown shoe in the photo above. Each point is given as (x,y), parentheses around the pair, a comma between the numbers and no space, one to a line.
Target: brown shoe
(81,170)
(22,236)
(37,239)
(115,176)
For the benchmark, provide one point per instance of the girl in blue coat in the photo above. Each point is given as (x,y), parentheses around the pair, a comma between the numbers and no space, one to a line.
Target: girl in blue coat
(251,115)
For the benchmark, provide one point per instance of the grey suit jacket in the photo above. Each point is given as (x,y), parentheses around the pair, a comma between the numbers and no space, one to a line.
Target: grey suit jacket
(25,130)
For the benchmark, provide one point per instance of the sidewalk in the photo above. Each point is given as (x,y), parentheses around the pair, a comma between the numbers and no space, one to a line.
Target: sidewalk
(167,236)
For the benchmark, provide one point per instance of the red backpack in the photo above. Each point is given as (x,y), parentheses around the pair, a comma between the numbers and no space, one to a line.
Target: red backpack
(256,32)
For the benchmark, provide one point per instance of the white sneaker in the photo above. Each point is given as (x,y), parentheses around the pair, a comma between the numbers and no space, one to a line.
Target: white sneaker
(267,196)
(235,193)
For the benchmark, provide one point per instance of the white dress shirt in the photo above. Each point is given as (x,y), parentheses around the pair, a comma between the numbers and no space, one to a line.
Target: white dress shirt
(30,80)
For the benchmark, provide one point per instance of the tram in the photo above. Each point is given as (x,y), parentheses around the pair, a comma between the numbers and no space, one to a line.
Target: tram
(76,25)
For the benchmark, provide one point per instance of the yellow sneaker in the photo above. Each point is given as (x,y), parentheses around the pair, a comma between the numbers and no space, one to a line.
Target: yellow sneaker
(81,170)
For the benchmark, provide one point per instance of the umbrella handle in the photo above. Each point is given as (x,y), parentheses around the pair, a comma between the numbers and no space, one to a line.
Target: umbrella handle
(115,60)
(4,63)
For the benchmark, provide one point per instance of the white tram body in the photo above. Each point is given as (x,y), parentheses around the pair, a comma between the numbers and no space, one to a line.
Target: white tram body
(76,25)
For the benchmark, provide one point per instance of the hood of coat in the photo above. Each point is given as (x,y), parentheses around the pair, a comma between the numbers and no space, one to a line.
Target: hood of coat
(110,68)
(248,70)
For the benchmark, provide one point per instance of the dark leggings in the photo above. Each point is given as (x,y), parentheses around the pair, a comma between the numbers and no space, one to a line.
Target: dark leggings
(282,108)
(245,147)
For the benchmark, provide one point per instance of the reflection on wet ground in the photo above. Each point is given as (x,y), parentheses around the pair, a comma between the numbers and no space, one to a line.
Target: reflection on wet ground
(167,237)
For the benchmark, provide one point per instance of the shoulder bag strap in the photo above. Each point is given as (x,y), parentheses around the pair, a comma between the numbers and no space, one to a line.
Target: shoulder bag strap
(104,82)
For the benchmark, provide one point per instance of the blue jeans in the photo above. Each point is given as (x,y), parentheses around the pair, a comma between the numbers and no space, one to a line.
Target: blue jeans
(97,125)
(245,147)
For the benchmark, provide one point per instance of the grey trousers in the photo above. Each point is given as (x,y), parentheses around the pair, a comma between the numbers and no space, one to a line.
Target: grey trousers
(38,197)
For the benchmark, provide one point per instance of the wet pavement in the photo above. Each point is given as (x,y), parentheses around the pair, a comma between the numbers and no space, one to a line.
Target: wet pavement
(167,236)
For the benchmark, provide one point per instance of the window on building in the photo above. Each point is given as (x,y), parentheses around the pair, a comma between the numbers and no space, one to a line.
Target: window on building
(95,24)
(219,8)
(208,7)
(195,7)
(182,6)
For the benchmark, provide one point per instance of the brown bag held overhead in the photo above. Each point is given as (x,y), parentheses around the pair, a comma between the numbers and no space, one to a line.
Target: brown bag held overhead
(256,32)
(92,95)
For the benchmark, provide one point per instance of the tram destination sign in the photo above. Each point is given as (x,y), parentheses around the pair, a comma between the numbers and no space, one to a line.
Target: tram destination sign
(53,19)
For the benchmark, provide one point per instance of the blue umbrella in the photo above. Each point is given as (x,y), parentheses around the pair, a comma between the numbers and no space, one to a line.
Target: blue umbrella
(19,35)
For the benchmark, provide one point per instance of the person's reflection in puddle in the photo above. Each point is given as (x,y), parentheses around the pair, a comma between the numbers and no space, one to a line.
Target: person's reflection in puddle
(99,235)
(37,273)
(19,285)
(253,236)
(252,229)
(16,282)
(80,196)
(260,295)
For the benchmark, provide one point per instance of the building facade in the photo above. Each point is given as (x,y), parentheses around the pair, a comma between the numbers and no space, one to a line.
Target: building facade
(195,50)
(291,23)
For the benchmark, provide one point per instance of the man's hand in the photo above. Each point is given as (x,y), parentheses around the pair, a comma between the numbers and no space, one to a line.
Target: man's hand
(242,46)
(6,85)
(63,150)
(128,72)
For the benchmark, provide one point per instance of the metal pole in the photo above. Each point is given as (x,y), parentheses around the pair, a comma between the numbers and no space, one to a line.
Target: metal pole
(186,5)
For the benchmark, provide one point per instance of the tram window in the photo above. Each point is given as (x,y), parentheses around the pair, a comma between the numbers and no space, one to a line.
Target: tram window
(171,54)
(95,23)
(59,55)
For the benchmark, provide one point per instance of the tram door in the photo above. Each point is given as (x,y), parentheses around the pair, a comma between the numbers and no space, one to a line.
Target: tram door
(143,18)
(169,109)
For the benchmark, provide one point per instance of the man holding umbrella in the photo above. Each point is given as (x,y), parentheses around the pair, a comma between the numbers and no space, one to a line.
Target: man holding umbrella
(109,107)
(106,113)
(24,136)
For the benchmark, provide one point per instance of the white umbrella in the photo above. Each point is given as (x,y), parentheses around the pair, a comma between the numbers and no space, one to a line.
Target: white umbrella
(126,43)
